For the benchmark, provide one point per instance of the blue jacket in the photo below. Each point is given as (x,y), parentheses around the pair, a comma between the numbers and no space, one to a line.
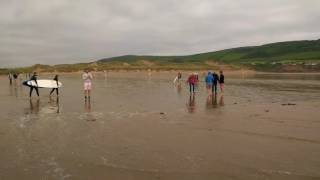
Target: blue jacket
(209,78)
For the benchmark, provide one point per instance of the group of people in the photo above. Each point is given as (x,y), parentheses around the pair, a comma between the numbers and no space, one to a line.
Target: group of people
(86,76)
(211,79)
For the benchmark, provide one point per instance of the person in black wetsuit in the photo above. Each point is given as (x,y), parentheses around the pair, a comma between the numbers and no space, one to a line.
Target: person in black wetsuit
(56,78)
(10,78)
(215,83)
(34,78)
(221,81)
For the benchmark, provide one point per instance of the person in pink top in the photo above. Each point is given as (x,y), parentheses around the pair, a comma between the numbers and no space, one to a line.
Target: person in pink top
(87,84)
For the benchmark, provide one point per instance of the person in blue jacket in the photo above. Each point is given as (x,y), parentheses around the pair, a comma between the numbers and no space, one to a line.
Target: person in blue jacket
(209,82)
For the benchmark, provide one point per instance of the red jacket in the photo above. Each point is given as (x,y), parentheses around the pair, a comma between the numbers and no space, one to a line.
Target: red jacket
(192,79)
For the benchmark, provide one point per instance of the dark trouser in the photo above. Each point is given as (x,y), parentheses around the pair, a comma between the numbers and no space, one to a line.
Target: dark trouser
(214,88)
(191,87)
(57,91)
(31,89)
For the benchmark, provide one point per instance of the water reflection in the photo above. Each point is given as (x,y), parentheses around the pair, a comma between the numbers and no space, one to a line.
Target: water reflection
(89,116)
(178,87)
(212,101)
(55,104)
(191,103)
(34,106)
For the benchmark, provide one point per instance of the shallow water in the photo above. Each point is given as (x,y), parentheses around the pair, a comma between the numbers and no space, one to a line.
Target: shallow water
(143,127)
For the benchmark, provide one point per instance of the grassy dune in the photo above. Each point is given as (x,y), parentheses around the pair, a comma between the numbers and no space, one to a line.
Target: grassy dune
(291,56)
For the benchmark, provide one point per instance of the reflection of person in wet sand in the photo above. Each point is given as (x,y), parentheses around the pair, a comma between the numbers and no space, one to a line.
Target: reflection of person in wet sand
(192,103)
(55,103)
(87,106)
(179,88)
(214,100)
(221,102)
(34,107)
(87,110)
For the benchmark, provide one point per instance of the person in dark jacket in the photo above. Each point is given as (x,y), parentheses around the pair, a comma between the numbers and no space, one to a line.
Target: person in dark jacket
(221,81)
(34,78)
(56,78)
(215,83)
(10,78)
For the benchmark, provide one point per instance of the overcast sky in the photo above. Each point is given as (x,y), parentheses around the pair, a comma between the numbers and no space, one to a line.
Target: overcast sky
(69,31)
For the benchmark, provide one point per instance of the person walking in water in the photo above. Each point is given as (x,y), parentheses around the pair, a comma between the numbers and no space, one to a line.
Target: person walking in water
(215,83)
(221,81)
(34,78)
(56,78)
(87,84)
(192,81)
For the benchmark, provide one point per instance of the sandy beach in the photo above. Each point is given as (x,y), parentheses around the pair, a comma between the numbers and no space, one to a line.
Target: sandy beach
(141,126)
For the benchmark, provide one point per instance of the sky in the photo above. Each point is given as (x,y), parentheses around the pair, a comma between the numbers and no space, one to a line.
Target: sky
(71,31)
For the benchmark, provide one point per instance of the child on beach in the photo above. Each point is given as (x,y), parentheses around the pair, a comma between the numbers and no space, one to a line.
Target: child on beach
(87,84)
(177,78)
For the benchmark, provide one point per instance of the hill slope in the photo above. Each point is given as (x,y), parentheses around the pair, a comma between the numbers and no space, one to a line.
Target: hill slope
(265,57)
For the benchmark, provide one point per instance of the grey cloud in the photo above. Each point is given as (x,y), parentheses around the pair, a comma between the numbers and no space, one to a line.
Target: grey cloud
(68,31)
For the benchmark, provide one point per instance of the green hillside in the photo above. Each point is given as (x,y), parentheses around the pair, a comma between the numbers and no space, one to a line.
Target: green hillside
(269,57)
(291,56)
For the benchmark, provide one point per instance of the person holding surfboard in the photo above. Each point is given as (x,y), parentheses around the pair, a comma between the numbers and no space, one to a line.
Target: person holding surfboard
(34,78)
(10,78)
(56,78)
(87,84)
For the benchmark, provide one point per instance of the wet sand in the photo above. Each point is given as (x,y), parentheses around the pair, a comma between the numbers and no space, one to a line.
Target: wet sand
(264,126)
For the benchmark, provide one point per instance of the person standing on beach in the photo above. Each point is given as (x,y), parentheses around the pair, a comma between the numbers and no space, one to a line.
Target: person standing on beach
(221,81)
(209,82)
(215,83)
(10,78)
(177,78)
(192,81)
(56,78)
(34,78)
(87,84)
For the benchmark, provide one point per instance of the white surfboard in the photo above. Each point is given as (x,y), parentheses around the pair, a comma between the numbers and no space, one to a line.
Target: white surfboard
(45,83)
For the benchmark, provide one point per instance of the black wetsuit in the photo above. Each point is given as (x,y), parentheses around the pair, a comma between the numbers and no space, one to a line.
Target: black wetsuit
(34,78)
(215,83)
(57,90)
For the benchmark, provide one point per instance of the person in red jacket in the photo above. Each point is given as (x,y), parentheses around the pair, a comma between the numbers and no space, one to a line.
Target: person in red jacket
(192,80)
